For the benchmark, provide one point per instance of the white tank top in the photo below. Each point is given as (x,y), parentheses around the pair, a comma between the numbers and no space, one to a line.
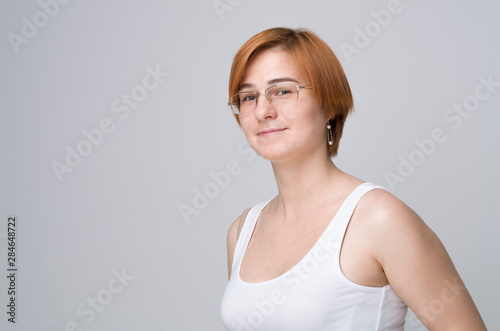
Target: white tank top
(314,295)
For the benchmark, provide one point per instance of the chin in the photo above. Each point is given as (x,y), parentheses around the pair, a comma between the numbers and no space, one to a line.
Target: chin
(274,153)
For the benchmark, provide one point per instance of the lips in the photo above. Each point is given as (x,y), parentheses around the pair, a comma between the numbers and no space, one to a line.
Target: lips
(267,132)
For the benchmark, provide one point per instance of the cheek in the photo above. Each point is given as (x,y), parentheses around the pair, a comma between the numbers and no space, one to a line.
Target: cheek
(316,128)
(311,119)
(247,126)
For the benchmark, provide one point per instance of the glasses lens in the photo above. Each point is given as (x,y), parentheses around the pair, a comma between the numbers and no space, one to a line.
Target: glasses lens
(245,101)
(279,95)
(234,103)
(282,93)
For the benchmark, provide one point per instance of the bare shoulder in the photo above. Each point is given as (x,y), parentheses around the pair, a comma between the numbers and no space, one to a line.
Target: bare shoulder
(387,225)
(415,262)
(401,243)
(232,237)
(381,211)
(235,228)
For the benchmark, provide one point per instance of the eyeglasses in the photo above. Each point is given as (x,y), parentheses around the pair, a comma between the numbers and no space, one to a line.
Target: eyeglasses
(279,95)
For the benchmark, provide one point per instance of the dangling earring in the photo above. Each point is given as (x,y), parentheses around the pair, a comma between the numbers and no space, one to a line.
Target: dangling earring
(329,133)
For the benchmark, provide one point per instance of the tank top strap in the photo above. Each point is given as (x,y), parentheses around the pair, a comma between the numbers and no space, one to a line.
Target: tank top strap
(246,233)
(342,218)
(334,233)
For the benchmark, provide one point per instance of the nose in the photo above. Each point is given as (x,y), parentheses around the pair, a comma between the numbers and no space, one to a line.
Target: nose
(264,108)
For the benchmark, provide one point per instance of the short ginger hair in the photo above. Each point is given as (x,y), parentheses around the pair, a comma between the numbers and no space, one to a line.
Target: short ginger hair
(315,60)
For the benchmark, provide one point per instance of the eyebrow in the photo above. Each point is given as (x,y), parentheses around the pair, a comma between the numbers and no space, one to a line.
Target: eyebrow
(271,82)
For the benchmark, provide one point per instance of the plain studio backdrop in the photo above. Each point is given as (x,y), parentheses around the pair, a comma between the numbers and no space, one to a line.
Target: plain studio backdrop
(124,168)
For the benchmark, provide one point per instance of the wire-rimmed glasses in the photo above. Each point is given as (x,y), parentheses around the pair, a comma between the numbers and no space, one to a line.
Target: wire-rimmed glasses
(278,95)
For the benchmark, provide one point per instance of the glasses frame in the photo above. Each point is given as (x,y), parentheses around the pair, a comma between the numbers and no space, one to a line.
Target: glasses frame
(235,109)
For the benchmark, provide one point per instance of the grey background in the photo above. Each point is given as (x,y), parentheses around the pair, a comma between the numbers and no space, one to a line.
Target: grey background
(119,209)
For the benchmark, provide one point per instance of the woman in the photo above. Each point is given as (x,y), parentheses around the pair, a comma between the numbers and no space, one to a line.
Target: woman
(329,252)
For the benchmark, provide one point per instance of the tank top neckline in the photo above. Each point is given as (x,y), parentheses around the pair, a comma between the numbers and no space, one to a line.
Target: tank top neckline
(254,221)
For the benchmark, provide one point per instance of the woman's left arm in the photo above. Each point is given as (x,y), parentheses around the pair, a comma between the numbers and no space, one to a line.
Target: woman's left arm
(419,269)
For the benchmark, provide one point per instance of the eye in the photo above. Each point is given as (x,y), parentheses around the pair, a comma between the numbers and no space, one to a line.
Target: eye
(247,97)
(282,92)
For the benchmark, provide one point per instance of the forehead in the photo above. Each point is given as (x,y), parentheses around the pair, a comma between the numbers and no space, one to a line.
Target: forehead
(268,67)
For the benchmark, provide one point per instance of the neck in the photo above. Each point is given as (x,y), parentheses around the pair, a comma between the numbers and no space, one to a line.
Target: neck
(303,182)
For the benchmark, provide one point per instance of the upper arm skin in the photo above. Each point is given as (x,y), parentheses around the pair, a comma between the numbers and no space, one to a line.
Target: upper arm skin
(232,236)
(417,265)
